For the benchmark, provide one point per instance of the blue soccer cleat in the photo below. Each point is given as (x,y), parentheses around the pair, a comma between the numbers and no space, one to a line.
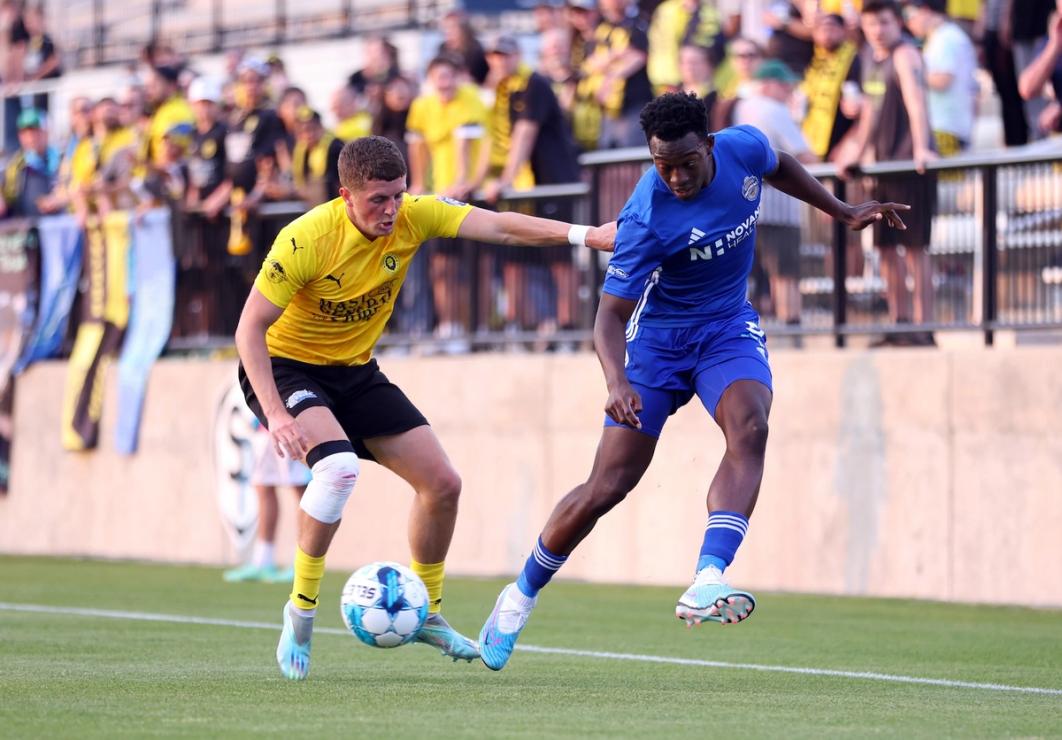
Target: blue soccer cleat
(293,656)
(437,633)
(498,637)
(711,599)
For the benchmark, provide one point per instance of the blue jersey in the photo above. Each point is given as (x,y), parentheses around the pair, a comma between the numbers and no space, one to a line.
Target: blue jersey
(688,262)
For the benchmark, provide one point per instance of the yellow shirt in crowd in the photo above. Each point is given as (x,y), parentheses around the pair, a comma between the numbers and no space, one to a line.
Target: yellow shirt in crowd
(442,125)
(89,155)
(338,288)
(667,30)
(171,113)
(357,126)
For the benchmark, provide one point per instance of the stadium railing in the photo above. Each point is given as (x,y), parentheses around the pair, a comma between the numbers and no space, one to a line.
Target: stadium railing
(1010,201)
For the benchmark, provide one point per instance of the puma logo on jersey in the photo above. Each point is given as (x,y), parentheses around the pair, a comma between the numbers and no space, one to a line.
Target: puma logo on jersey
(294,247)
(336,280)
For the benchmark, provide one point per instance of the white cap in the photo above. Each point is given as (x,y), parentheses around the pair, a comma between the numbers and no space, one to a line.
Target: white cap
(204,88)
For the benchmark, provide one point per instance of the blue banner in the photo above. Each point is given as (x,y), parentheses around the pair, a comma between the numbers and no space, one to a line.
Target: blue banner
(61,242)
(152,282)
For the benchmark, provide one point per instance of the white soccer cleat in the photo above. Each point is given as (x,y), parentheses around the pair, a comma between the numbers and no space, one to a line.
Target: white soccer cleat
(711,599)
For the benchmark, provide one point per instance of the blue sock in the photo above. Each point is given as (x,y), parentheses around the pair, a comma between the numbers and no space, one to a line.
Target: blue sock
(538,569)
(722,538)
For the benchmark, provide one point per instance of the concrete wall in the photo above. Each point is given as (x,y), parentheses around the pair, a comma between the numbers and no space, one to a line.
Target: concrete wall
(934,474)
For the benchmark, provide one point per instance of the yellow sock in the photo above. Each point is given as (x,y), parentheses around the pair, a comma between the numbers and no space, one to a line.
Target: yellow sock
(432,575)
(307,585)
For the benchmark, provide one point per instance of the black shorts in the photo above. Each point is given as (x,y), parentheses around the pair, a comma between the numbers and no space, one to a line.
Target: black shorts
(917,191)
(365,403)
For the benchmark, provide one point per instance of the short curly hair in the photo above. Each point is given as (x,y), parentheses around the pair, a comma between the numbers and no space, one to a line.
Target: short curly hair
(370,158)
(673,115)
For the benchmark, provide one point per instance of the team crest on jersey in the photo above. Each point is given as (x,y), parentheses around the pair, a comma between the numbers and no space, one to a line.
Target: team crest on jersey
(209,149)
(275,272)
(390,263)
(751,187)
(451,201)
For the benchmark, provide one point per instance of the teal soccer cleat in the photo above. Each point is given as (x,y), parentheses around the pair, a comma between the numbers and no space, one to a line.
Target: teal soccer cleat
(711,599)
(498,637)
(438,633)
(293,656)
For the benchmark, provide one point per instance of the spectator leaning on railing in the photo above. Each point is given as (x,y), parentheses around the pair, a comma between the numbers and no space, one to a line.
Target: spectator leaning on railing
(894,125)
(530,145)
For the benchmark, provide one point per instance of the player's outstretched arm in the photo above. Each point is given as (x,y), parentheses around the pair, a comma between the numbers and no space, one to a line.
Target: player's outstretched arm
(518,230)
(258,315)
(791,178)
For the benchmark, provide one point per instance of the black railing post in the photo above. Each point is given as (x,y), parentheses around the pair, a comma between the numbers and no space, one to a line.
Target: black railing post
(840,271)
(989,248)
(98,29)
(280,22)
(156,20)
(217,31)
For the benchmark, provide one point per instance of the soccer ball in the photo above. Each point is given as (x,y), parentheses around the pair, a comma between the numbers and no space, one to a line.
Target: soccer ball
(384,604)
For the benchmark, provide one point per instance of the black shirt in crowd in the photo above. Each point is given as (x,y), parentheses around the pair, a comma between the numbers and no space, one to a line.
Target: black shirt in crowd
(207,159)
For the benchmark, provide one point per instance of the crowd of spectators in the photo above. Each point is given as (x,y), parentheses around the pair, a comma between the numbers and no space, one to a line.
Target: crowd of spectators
(827,80)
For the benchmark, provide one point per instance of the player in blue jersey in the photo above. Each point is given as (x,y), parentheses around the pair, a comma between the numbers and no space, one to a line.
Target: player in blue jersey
(674,322)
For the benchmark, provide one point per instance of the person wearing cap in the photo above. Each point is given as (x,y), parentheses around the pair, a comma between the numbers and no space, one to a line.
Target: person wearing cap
(208,184)
(530,144)
(315,159)
(322,300)
(831,86)
(201,307)
(894,125)
(170,108)
(951,63)
(778,225)
(30,173)
(615,73)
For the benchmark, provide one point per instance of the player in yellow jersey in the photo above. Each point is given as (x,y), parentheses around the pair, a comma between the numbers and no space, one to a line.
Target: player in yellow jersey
(305,339)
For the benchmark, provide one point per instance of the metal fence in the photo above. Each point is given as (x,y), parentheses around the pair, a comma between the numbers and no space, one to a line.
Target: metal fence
(95,32)
(463,296)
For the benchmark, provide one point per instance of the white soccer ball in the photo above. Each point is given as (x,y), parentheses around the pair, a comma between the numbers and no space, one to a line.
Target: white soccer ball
(384,604)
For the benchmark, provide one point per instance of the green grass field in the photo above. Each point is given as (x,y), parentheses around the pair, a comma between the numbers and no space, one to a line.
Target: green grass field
(67,673)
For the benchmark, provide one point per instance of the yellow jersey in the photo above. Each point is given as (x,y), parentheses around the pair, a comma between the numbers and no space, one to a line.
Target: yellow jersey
(338,288)
(442,125)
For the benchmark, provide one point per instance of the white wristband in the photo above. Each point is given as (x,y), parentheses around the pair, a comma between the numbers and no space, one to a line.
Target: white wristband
(577,235)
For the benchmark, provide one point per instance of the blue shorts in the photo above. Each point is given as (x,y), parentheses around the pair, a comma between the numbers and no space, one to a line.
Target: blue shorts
(668,365)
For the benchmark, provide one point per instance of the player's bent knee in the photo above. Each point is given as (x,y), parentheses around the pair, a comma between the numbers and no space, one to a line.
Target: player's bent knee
(335,470)
(750,436)
(444,487)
